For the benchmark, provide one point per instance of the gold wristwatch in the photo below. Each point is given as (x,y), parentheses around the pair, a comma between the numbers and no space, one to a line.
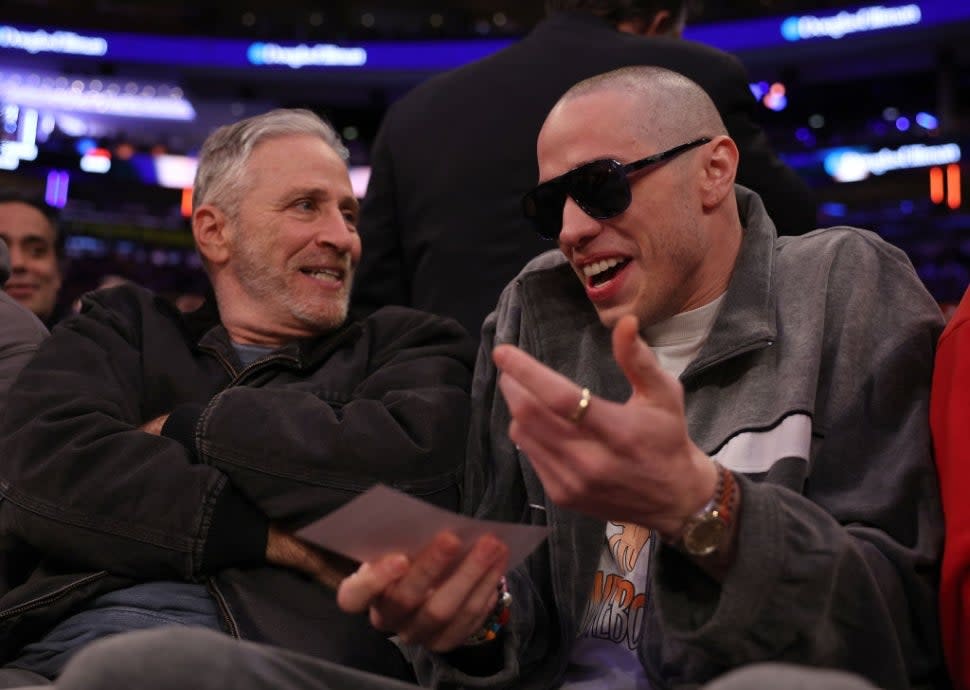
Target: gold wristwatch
(707,529)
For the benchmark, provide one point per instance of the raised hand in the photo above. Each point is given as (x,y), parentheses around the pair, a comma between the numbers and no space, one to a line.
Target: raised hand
(631,461)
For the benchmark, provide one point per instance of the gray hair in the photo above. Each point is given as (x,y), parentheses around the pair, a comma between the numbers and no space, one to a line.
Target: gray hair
(219,178)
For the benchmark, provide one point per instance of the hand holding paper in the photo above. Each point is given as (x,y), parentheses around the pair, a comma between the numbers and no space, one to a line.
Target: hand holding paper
(428,575)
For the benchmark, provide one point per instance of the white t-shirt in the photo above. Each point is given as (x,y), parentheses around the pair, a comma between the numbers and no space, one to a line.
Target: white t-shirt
(605,654)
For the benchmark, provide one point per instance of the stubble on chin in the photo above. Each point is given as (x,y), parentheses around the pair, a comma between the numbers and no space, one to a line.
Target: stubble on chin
(323,318)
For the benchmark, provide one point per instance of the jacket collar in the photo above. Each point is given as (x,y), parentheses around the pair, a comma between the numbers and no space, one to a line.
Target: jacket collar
(197,323)
(204,327)
(747,317)
(567,332)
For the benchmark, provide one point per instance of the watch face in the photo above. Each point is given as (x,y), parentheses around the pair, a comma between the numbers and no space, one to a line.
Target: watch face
(704,536)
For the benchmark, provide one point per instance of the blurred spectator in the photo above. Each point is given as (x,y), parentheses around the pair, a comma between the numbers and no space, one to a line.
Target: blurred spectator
(29,227)
(441,224)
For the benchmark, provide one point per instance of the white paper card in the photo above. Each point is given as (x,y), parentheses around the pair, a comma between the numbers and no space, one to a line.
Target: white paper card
(383,520)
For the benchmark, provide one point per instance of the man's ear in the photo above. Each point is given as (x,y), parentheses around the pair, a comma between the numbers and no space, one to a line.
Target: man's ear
(210,230)
(663,23)
(720,169)
(660,24)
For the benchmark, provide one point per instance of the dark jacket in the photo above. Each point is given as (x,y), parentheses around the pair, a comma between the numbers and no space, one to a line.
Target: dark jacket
(442,225)
(287,438)
(20,334)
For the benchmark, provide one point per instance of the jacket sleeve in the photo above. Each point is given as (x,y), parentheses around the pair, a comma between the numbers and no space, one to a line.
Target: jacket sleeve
(950,422)
(85,486)
(382,277)
(495,489)
(789,200)
(299,451)
(843,574)
(20,334)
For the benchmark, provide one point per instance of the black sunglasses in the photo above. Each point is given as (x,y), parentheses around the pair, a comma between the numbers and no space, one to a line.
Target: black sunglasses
(600,188)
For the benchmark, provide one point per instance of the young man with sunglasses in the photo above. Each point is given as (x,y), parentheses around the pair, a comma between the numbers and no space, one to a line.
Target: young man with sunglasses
(725,432)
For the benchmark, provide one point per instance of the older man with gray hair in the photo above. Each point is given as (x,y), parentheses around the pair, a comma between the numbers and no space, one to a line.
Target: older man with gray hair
(156,462)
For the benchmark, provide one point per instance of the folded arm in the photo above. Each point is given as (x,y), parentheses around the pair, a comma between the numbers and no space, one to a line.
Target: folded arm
(300,450)
(84,484)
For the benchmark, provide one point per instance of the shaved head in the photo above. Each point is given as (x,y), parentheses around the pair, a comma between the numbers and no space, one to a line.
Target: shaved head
(669,106)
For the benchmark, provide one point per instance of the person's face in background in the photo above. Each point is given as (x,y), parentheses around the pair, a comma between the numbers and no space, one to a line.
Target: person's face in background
(35,274)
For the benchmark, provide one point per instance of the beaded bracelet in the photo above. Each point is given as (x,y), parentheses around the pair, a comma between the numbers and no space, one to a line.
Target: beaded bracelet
(496,620)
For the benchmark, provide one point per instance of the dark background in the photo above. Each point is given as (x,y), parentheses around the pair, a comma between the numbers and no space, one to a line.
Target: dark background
(853,92)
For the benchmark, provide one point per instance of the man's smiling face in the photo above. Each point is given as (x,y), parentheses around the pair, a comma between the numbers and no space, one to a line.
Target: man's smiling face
(645,260)
(294,242)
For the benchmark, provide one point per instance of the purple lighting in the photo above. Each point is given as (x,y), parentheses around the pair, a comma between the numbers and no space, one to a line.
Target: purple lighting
(805,136)
(56,193)
(927,121)
(902,123)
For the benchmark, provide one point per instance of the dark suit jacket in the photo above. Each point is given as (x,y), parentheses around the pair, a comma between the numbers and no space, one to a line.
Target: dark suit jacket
(441,223)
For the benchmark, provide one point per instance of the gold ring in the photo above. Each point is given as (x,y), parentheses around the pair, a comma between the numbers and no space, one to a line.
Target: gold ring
(581,407)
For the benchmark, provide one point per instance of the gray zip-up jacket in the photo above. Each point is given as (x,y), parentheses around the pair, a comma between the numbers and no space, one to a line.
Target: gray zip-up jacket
(813,388)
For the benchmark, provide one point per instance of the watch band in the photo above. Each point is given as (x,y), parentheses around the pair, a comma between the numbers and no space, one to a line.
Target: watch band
(724,496)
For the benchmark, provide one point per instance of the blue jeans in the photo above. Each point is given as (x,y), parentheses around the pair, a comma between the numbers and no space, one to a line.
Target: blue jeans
(140,607)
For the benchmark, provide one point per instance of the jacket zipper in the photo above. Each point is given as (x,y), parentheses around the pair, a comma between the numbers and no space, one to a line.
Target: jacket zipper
(231,626)
(689,373)
(226,364)
(259,364)
(237,376)
(52,596)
